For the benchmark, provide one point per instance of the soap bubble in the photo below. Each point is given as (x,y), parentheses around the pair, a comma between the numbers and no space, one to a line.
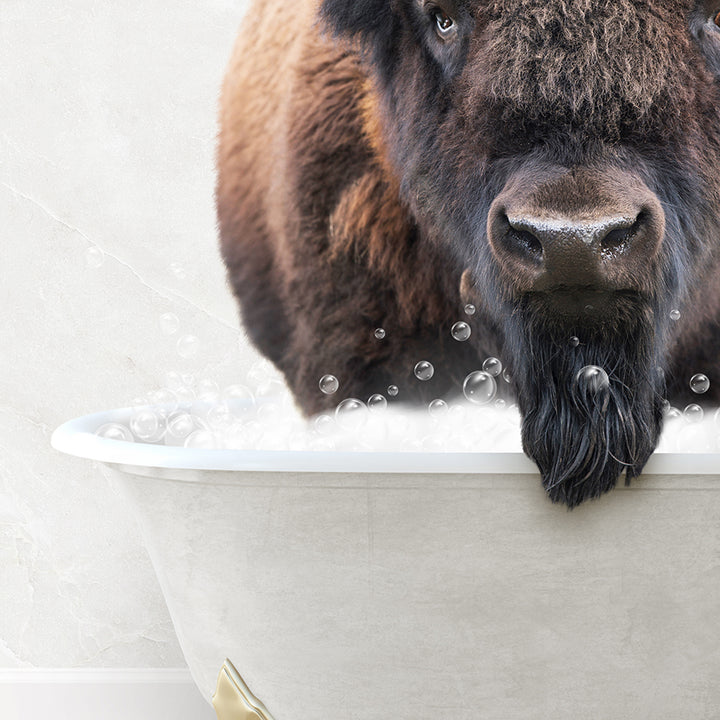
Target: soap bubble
(324,425)
(260,372)
(592,379)
(376,402)
(699,383)
(674,314)
(393,390)
(185,395)
(178,270)
(240,394)
(269,413)
(469,309)
(164,400)
(574,341)
(461,331)
(672,413)
(188,346)
(115,431)
(500,404)
(173,380)
(329,384)
(220,418)
(351,414)
(589,309)
(693,413)
(438,408)
(492,366)
(424,370)
(208,391)
(94,257)
(179,426)
(379,333)
(203,440)
(245,435)
(506,376)
(169,323)
(479,387)
(145,424)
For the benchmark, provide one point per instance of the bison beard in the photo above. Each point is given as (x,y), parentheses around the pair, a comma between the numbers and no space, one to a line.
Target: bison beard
(582,440)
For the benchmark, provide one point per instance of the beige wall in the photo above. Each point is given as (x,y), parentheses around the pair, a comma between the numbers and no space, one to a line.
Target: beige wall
(107,125)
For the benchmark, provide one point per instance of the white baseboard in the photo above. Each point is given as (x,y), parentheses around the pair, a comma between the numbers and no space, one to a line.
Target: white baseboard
(106,693)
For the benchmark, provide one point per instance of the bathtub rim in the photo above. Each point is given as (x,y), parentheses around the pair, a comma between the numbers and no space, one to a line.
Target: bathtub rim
(77,437)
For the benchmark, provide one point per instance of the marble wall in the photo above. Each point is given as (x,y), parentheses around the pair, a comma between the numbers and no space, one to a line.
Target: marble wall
(107,131)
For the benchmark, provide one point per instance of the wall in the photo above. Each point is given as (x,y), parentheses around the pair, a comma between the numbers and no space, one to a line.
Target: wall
(107,131)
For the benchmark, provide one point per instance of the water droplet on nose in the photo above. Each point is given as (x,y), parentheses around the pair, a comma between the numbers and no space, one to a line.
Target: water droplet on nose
(169,323)
(328,384)
(437,408)
(461,331)
(674,314)
(574,341)
(377,402)
(393,390)
(424,370)
(470,309)
(479,387)
(379,333)
(693,413)
(351,414)
(589,309)
(115,431)
(492,366)
(188,346)
(94,257)
(592,379)
(699,383)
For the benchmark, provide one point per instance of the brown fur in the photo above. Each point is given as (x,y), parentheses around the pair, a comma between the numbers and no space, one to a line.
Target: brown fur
(334,198)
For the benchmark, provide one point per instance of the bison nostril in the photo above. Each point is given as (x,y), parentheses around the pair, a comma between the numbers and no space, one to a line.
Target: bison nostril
(526,242)
(616,240)
(519,241)
(619,239)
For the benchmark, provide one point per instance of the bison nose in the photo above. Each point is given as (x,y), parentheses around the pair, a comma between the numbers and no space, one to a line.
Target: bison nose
(610,245)
(568,251)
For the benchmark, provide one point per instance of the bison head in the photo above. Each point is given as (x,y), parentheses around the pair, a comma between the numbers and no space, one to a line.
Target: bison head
(566,155)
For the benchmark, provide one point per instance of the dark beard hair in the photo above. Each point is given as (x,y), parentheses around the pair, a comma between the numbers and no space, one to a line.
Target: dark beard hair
(583,440)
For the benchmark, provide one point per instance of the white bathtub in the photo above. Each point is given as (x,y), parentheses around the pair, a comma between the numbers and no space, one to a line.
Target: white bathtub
(360,586)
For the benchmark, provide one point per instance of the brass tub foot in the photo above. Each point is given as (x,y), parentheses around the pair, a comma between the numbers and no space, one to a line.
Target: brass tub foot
(233,700)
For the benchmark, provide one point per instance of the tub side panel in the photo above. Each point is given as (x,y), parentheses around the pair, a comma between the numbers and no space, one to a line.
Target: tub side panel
(364,602)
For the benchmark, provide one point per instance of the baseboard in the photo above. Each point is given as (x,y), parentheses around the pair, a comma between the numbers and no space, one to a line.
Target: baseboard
(107,693)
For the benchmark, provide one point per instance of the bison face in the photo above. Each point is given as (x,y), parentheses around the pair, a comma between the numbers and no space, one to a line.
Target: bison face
(566,155)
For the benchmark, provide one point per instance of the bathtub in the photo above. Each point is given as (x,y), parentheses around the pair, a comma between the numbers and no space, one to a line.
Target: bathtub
(415,586)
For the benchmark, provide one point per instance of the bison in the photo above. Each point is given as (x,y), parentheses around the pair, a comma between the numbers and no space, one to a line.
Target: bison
(381,163)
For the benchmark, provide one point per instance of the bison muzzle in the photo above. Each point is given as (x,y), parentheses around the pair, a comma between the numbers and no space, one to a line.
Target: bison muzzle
(554,162)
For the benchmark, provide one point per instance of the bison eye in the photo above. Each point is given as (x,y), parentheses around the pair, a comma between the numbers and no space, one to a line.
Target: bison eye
(445,24)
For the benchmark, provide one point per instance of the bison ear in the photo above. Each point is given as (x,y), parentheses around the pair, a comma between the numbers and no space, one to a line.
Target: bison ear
(357,18)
